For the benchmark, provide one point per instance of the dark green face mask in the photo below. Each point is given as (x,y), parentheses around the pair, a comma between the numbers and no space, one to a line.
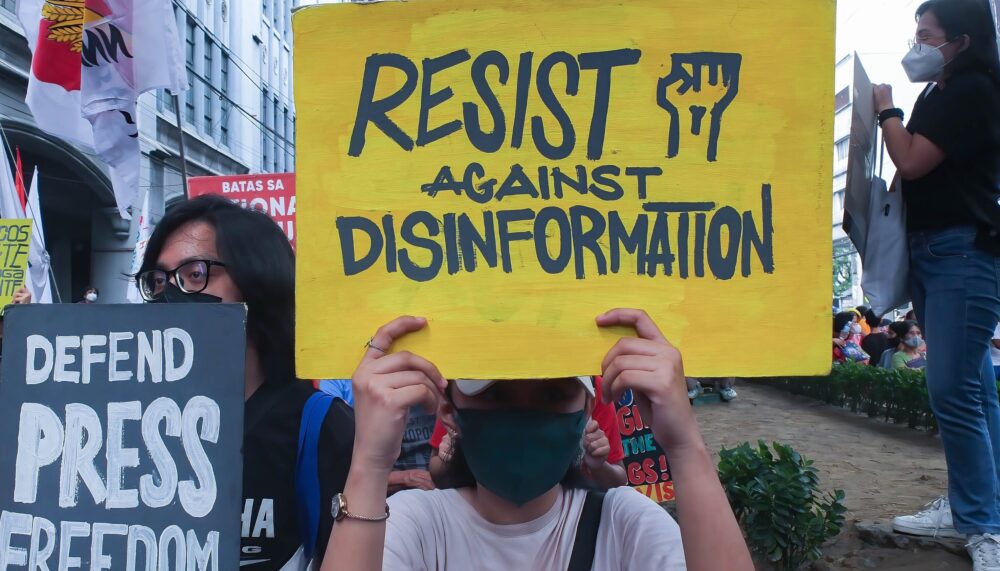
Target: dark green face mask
(519,454)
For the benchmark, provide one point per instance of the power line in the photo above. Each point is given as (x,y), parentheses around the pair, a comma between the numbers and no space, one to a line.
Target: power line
(250,116)
(258,83)
(247,151)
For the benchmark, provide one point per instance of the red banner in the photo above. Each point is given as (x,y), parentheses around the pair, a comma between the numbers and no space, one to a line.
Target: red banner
(272,194)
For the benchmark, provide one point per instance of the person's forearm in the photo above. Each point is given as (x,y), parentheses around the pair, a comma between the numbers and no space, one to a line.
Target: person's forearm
(712,539)
(354,544)
(897,143)
(608,475)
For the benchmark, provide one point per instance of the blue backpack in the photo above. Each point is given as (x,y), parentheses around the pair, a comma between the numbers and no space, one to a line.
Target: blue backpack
(307,489)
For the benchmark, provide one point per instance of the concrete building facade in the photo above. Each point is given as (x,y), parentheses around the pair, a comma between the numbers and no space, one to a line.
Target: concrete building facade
(238,118)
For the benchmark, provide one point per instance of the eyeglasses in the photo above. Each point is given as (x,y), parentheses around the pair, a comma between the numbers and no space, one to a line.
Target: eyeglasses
(920,43)
(189,277)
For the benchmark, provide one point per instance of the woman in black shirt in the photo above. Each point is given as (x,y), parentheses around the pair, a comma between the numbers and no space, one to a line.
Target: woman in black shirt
(948,158)
(210,250)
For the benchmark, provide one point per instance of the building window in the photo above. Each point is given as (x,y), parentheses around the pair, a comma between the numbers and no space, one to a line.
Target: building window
(189,61)
(224,84)
(265,143)
(843,148)
(286,128)
(290,133)
(276,156)
(164,101)
(842,99)
(207,80)
(276,15)
(288,25)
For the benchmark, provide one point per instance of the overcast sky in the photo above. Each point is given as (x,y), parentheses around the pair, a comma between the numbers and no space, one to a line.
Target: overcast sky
(878,30)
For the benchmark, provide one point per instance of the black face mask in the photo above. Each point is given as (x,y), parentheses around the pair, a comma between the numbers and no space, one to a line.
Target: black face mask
(174,294)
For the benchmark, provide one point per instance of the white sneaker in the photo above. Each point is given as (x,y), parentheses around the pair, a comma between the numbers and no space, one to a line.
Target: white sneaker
(933,521)
(727,394)
(696,392)
(985,552)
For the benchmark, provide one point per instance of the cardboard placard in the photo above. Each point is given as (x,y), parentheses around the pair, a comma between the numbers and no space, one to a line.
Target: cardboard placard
(124,426)
(272,194)
(15,242)
(862,157)
(512,170)
(646,465)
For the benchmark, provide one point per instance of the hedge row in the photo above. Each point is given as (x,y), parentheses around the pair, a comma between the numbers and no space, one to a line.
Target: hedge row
(897,395)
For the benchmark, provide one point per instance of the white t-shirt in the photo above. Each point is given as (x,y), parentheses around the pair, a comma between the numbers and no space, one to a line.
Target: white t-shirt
(994,352)
(440,531)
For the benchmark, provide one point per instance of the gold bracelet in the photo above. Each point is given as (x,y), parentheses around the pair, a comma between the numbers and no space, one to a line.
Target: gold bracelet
(338,510)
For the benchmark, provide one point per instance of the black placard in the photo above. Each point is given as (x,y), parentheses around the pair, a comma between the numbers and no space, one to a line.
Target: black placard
(122,428)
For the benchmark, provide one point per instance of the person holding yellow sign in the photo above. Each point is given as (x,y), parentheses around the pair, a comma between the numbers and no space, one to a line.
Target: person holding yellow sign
(519,439)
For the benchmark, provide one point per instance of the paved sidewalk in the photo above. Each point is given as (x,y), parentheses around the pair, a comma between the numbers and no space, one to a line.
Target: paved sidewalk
(884,469)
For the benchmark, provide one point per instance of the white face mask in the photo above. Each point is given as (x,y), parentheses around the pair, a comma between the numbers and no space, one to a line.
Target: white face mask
(91,297)
(924,63)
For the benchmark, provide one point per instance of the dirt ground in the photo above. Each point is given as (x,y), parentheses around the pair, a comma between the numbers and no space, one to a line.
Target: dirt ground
(884,470)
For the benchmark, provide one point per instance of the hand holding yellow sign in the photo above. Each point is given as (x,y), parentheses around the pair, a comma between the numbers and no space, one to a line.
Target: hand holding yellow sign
(512,170)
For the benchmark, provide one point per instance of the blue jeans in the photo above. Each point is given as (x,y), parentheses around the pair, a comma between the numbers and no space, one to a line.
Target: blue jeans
(955,289)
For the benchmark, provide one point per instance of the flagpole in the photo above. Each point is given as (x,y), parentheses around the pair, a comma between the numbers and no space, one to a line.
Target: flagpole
(180,139)
(5,146)
(35,218)
(52,283)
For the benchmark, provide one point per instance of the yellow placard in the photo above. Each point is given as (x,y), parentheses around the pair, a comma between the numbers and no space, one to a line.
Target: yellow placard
(15,241)
(511,169)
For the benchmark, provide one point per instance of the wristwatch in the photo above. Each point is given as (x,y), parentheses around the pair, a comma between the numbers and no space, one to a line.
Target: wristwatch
(338,510)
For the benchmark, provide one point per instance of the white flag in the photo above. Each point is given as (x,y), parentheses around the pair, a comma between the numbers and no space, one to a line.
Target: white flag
(143,230)
(55,36)
(129,47)
(38,257)
(91,59)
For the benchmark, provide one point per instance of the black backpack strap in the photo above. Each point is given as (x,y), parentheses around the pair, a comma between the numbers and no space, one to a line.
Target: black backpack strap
(585,541)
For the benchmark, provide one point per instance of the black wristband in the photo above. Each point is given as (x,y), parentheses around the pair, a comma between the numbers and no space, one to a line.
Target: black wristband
(889,114)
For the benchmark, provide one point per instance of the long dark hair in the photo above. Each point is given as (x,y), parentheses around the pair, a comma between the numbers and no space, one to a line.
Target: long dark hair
(974,19)
(901,328)
(260,262)
(842,319)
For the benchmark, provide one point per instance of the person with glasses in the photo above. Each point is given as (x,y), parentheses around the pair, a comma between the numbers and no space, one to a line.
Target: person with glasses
(209,250)
(948,160)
